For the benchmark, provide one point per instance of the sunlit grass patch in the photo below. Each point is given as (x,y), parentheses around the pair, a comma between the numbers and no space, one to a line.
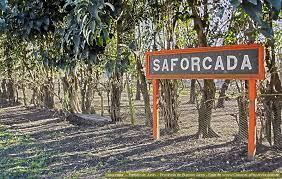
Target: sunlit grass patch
(17,156)
(91,171)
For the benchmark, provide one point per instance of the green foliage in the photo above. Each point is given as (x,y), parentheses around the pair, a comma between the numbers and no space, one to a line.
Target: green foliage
(85,32)
(3,5)
(26,19)
(275,5)
(90,19)
(82,26)
(254,8)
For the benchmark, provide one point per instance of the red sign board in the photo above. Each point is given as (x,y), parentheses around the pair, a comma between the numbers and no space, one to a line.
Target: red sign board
(228,62)
(244,62)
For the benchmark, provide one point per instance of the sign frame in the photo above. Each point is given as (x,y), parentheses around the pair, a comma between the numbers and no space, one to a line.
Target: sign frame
(258,76)
(252,79)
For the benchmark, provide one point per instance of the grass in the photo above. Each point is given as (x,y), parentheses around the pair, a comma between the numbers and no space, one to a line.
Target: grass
(81,173)
(19,158)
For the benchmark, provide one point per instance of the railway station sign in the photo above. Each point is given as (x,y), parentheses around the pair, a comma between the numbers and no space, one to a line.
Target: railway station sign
(244,62)
(228,62)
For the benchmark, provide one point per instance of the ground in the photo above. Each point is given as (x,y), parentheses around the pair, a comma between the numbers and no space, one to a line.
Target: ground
(38,142)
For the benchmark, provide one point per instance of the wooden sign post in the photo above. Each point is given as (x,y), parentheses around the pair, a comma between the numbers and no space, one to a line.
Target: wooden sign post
(244,62)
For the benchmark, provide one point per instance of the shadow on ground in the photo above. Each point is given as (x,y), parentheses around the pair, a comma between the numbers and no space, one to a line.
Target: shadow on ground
(93,150)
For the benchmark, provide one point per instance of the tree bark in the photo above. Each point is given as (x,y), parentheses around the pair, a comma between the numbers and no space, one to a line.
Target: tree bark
(243,119)
(192,92)
(145,92)
(273,115)
(48,96)
(73,95)
(71,90)
(222,94)
(144,86)
(90,92)
(272,108)
(169,88)
(208,94)
(130,101)
(100,93)
(84,83)
(170,104)
(277,124)
(205,110)
(116,90)
(138,90)
(9,66)
(24,95)
(117,79)
(35,96)
(4,89)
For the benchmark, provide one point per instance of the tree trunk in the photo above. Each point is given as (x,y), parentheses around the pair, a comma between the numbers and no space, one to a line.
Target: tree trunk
(89,109)
(48,96)
(17,94)
(9,65)
(222,94)
(276,88)
(59,87)
(34,97)
(145,92)
(108,101)
(90,92)
(169,88)
(24,95)
(116,91)
(205,110)
(66,93)
(1,93)
(71,93)
(23,86)
(4,89)
(170,104)
(208,93)
(100,93)
(192,92)
(273,101)
(117,79)
(130,101)
(10,84)
(138,90)
(11,90)
(267,105)
(74,97)
(243,119)
(277,124)
(273,113)
(272,108)
(83,87)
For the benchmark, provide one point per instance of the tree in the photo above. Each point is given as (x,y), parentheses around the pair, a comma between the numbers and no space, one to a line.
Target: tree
(165,23)
(263,13)
(81,25)
(222,94)
(201,26)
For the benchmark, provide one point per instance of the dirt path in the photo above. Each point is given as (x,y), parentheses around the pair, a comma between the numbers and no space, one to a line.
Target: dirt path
(90,151)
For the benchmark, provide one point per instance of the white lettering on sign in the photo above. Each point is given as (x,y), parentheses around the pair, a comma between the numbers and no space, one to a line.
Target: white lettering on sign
(156,66)
(207,63)
(219,63)
(195,62)
(165,65)
(246,63)
(173,63)
(235,61)
(184,64)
